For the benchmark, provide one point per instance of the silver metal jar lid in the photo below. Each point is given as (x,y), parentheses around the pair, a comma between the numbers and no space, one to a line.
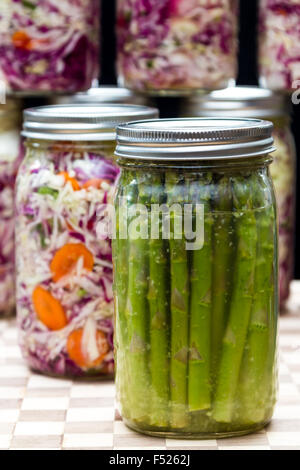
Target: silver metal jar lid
(194,139)
(81,122)
(240,101)
(102,94)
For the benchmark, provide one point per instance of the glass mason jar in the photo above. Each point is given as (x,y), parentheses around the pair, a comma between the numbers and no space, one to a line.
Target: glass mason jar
(255,102)
(10,157)
(279,39)
(195,263)
(49,46)
(64,260)
(177,46)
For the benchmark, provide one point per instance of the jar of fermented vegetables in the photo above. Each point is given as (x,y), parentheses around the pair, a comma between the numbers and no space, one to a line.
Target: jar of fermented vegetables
(279,44)
(177,47)
(9,161)
(195,263)
(64,261)
(255,102)
(49,45)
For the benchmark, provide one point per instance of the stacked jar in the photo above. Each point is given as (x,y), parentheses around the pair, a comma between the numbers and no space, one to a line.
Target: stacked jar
(177,46)
(65,189)
(260,103)
(49,46)
(279,44)
(10,157)
(45,47)
(195,261)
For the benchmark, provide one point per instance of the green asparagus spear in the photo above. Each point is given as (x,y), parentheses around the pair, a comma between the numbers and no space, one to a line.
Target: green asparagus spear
(158,297)
(254,374)
(138,313)
(241,302)
(199,386)
(120,250)
(175,188)
(223,253)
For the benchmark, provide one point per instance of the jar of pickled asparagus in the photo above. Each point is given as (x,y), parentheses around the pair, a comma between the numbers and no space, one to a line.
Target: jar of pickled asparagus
(177,47)
(279,44)
(255,102)
(64,261)
(10,157)
(195,264)
(49,46)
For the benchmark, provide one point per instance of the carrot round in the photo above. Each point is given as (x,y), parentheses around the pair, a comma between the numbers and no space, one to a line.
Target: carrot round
(48,309)
(76,353)
(73,181)
(67,257)
(94,183)
(22,40)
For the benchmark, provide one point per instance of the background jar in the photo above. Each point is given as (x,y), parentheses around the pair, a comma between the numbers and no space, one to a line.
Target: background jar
(177,47)
(279,44)
(255,102)
(10,158)
(64,262)
(103,95)
(196,313)
(49,48)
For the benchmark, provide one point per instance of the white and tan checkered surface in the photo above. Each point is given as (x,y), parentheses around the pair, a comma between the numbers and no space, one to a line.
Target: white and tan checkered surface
(38,412)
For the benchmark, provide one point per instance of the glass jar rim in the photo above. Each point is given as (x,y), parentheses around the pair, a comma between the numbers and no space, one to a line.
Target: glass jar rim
(81,121)
(105,94)
(241,101)
(187,139)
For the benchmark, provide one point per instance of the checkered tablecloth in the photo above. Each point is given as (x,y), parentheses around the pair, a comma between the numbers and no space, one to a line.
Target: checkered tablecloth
(38,412)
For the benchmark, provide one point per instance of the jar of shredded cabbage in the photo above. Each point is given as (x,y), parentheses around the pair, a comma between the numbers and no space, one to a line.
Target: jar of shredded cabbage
(256,102)
(49,45)
(195,259)
(65,188)
(177,47)
(10,157)
(279,44)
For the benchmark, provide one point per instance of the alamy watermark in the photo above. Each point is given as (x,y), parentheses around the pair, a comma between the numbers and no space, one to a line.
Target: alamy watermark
(296,93)
(156,222)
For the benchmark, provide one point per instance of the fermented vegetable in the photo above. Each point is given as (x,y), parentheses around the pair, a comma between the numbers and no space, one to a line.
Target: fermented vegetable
(49,45)
(10,158)
(177,45)
(65,300)
(284,177)
(279,44)
(191,365)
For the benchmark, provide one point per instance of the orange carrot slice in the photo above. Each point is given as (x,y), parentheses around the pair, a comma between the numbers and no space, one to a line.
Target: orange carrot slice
(94,183)
(73,181)
(22,40)
(282,11)
(48,309)
(67,257)
(75,352)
